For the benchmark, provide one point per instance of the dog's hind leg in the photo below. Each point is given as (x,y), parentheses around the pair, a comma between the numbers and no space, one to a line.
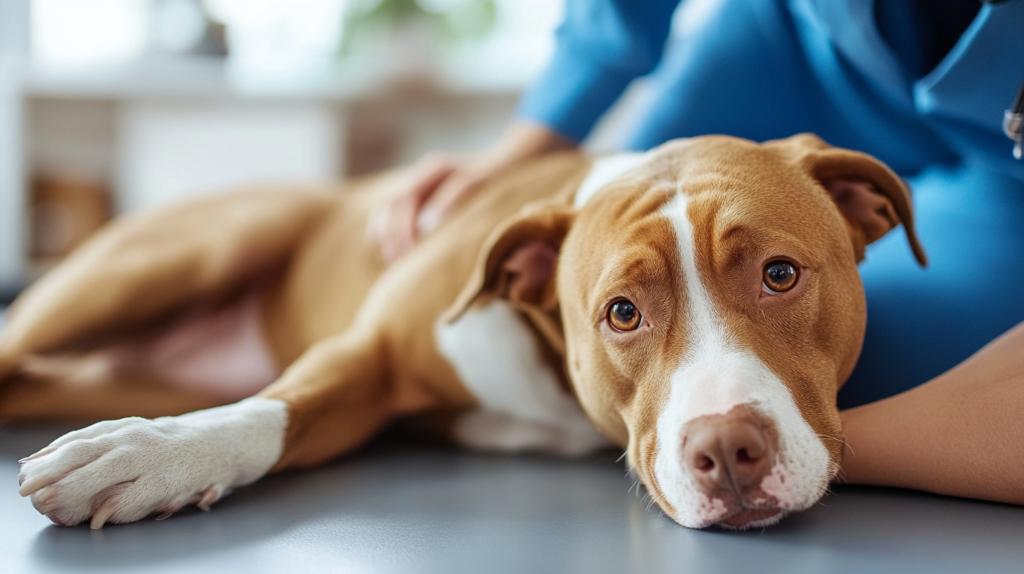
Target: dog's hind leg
(85,391)
(146,266)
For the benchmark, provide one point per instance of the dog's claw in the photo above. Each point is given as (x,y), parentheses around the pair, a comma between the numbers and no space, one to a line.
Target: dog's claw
(208,497)
(33,484)
(165,516)
(103,513)
(39,454)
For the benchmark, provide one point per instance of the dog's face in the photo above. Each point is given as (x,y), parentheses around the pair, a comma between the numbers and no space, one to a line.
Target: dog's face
(711,309)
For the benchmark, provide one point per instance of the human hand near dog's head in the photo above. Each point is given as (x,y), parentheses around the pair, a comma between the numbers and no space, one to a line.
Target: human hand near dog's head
(439,182)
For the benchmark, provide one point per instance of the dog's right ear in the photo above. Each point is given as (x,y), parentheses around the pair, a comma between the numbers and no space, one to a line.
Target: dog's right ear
(519,260)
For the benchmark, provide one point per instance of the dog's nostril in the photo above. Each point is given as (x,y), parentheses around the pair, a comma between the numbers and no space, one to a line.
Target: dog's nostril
(751,453)
(705,463)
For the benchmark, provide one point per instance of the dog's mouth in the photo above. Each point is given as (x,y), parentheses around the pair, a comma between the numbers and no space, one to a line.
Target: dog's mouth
(751,518)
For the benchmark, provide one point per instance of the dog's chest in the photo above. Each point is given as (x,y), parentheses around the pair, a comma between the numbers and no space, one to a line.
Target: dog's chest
(522,403)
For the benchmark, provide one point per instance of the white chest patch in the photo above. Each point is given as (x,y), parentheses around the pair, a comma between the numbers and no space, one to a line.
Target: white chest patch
(522,403)
(605,169)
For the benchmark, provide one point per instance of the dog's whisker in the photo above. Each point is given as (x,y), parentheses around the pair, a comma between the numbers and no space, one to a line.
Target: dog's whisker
(635,483)
(839,440)
(631,470)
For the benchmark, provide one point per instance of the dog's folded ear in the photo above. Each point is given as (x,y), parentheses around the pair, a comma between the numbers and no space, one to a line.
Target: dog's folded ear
(519,259)
(871,197)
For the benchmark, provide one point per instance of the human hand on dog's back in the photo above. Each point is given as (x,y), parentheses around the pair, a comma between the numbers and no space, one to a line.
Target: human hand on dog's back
(440,181)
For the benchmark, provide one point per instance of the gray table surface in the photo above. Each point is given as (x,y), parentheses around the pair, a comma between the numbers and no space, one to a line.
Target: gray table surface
(407,507)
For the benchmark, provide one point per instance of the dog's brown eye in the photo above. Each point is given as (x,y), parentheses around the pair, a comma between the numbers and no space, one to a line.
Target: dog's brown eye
(779,276)
(623,316)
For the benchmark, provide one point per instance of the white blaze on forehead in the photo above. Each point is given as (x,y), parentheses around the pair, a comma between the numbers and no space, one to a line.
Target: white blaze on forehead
(604,170)
(715,375)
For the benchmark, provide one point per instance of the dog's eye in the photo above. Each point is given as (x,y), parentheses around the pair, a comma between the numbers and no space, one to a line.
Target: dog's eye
(624,316)
(779,276)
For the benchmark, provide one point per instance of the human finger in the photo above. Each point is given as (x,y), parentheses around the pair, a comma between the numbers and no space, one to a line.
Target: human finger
(399,227)
(449,194)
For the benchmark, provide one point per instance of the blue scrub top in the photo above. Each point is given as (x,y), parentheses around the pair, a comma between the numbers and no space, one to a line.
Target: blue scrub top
(953,112)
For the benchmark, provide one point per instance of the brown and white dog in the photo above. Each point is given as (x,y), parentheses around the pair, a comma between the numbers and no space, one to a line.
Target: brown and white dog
(698,305)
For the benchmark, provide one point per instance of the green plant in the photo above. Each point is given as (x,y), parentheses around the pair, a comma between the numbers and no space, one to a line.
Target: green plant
(450,20)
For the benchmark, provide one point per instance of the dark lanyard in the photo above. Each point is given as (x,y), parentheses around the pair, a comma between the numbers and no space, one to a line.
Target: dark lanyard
(1013,124)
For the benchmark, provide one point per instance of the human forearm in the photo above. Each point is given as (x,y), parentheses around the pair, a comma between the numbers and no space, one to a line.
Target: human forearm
(522,140)
(961,434)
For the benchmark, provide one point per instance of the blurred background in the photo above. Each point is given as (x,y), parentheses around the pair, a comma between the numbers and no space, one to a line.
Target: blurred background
(113,105)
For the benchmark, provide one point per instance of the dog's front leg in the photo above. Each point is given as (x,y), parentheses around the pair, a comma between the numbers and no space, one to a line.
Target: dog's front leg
(330,401)
(339,394)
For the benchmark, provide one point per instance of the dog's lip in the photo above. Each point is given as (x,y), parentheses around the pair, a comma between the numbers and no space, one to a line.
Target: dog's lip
(749,515)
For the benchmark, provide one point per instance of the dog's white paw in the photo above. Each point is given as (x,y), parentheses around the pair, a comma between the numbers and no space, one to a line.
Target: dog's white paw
(123,470)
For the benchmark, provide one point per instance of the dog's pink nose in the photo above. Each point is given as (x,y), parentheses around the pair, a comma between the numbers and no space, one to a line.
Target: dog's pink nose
(732,451)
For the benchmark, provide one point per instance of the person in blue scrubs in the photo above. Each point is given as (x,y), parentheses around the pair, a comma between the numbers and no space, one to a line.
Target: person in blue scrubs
(920,84)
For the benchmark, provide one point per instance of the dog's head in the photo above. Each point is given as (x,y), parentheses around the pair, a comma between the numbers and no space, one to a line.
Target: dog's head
(711,309)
